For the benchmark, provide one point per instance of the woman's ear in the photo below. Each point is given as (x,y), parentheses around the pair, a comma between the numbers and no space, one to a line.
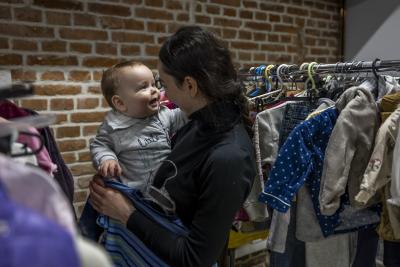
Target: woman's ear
(118,103)
(191,85)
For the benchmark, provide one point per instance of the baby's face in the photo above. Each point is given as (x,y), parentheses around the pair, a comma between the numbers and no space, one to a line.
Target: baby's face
(138,91)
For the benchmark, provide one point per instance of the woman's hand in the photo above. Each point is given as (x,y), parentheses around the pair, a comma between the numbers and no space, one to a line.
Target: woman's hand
(109,201)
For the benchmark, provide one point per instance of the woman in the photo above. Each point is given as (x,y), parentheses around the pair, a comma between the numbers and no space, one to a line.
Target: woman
(211,168)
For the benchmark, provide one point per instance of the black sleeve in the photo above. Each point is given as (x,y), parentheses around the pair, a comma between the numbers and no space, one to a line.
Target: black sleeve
(228,175)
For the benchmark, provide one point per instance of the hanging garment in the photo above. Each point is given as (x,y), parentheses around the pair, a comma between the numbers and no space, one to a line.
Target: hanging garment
(43,157)
(391,255)
(18,148)
(349,148)
(28,239)
(389,104)
(124,247)
(63,175)
(395,183)
(33,188)
(92,254)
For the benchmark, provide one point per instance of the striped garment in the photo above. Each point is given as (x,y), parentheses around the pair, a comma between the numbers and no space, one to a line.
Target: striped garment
(124,247)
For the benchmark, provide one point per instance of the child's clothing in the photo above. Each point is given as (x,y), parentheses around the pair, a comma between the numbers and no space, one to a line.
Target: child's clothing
(139,145)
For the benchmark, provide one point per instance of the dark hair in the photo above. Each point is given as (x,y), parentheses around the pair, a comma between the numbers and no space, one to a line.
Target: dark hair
(196,52)
(110,82)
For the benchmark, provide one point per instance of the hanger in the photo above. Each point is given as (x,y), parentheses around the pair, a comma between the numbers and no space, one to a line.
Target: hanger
(268,75)
(34,152)
(374,71)
(16,90)
(20,124)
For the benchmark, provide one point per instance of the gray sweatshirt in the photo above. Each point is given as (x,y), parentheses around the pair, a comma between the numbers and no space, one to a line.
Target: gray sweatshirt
(139,145)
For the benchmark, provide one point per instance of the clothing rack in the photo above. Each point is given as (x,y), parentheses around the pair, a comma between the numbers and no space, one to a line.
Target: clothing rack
(294,70)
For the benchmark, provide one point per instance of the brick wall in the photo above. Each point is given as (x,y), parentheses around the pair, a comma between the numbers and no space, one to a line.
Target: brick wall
(64,45)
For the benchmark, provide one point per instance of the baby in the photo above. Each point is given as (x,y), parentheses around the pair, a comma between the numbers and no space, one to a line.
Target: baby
(134,139)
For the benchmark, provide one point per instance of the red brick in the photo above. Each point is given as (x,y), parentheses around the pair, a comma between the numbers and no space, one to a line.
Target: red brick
(80,47)
(259,57)
(272,7)
(52,76)
(199,8)
(87,117)
(143,12)
(202,19)
(84,20)
(174,5)
(259,36)
(300,22)
(112,23)
(57,89)
(313,32)
(82,169)
(259,26)
(26,31)
(97,75)
(285,28)
(151,63)
(58,18)
(60,4)
(107,9)
(61,118)
(135,2)
(245,14)
(229,33)
(24,45)
(322,24)
(285,38)
(79,34)
(79,76)
(227,2)
(320,15)
(250,4)
(5,12)
(54,46)
(68,131)
(52,60)
(227,22)
(230,12)
(261,16)
(155,3)
(213,9)
(90,130)
(27,14)
(152,50)
(182,17)
(274,18)
(319,51)
(330,34)
(106,49)
(68,157)
(4,43)
(297,11)
(273,37)
(84,156)
(273,48)
(34,104)
(99,61)
(125,37)
(71,145)
(244,56)
(20,75)
(88,103)
(104,104)
(156,27)
(94,89)
(61,104)
(132,24)
(10,59)
(246,35)
(244,45)
(287,19)
(130,50)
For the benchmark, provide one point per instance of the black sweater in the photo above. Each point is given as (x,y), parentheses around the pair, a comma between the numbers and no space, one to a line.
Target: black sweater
(216,167)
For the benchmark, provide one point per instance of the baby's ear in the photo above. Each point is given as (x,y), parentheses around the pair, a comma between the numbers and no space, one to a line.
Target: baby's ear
(118,103)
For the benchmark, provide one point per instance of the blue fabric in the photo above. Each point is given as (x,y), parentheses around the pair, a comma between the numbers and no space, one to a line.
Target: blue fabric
(124,247)
(88,225)
(29,239)
(300,160)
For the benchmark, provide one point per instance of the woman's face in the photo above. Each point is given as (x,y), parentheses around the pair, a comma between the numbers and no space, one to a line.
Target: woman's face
(178,96)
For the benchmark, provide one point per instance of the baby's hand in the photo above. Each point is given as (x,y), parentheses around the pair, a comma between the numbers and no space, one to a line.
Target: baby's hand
(110,168)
